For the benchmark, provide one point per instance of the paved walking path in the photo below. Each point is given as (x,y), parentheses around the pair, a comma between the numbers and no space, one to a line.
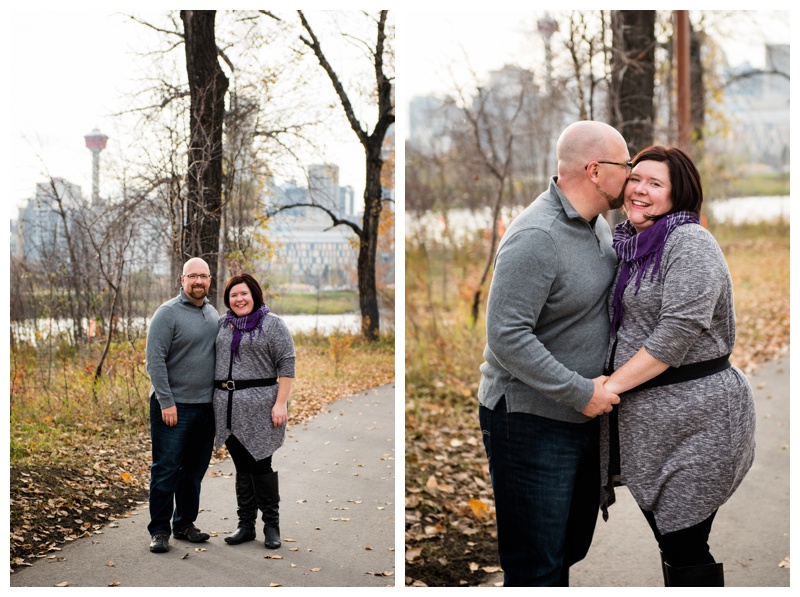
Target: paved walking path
(750,535)
(337,480)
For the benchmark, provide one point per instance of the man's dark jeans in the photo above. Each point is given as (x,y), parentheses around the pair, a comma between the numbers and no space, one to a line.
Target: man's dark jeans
(546,480)
(180,460)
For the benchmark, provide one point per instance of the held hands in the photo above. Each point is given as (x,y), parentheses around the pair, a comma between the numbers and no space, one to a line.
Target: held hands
(602,400)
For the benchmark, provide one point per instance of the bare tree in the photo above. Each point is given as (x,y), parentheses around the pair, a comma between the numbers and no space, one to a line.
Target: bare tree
(208,86)
(492,119)
(372,143)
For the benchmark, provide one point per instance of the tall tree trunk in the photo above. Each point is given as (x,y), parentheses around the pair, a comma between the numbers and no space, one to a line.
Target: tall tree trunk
(372,144)
(633,76)
(208,86)
(368,246)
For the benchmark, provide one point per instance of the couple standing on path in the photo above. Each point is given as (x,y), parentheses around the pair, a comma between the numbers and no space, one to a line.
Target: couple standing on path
(607,364)
(207,382)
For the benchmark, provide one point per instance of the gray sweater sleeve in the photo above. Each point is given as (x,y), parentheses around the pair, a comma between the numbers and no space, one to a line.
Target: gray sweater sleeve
(526,267)
(695,272)
(159,339)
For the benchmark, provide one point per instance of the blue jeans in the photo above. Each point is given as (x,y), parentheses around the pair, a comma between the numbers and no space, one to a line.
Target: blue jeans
(180,460)
(546,480)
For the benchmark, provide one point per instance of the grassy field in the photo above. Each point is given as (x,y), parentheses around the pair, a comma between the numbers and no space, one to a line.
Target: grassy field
(324,303)
(450,529)
(759,185)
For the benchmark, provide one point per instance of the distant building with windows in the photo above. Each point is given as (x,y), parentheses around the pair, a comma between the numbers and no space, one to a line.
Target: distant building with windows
(758,106)
(40,228)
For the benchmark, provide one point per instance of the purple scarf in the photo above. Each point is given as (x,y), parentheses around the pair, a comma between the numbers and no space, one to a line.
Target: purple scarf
(248,323)
(640,252)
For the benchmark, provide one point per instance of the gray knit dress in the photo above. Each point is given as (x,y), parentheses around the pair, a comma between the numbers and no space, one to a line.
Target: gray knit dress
(684,448)
(269,354)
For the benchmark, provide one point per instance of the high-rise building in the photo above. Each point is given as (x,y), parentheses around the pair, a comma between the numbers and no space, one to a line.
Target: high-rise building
(41,228)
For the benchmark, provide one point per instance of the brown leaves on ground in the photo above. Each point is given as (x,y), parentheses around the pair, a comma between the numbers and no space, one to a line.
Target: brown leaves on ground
(96,473)
(75,491)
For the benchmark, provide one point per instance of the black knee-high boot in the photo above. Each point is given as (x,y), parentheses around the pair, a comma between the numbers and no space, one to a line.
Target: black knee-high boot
(704,575)
(246,510)
(268,498)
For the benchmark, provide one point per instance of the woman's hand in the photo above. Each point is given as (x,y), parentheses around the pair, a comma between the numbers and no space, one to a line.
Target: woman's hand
(640,368)
(279,414)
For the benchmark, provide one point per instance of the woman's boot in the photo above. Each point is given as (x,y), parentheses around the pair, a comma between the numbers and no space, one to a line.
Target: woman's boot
(246,510)
(704,575)
(268,498)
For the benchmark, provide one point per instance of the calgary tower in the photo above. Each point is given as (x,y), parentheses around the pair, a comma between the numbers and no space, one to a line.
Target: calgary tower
(95,142)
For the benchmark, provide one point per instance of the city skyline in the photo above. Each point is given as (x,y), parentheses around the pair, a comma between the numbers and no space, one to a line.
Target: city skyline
(478,42)
(61,101)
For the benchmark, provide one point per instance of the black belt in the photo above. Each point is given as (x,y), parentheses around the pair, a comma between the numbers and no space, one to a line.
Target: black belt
(685,373)
(242,384)
(232,385)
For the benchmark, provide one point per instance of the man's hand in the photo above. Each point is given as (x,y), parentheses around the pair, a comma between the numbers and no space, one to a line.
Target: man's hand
(170,415)
(602,399)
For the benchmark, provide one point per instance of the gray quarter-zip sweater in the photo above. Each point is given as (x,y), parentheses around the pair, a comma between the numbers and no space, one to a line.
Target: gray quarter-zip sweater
(180,354)
(547,325)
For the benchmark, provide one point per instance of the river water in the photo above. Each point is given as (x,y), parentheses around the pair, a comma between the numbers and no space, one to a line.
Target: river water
(461,222)
(349,323)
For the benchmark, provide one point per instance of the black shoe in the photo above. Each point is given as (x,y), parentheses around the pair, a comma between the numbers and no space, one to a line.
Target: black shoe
(159,543)
(191,534)
(241,535)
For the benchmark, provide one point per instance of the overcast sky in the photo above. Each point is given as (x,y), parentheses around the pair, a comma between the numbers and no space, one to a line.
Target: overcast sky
(75,70)
(449,42)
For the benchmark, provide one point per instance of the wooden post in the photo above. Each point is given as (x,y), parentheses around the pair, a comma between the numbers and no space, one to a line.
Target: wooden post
(681,41)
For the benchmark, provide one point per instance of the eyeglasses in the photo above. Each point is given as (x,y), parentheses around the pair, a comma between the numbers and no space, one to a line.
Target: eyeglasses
(202,277)
(627,165)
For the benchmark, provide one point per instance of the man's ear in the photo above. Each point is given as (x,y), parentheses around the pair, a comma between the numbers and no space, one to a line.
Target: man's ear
(592,171)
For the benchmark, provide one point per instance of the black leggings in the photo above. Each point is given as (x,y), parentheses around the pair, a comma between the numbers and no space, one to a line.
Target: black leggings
(687,547)
(244,462)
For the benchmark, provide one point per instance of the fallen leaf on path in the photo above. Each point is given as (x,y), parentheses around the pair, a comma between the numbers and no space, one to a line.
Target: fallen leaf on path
(784,563)
(316,569)
(274,584)
(63,584)
(110,563)
(479,509)
(116,583)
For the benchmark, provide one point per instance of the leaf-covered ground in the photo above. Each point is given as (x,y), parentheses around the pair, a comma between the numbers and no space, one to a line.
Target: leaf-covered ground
(95,473)
(451,537)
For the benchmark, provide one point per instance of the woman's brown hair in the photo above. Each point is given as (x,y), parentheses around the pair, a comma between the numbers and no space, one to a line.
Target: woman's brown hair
(252,284)
(687,191)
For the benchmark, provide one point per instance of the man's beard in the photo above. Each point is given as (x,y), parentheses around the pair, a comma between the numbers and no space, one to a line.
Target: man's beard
(199,289)
(614,202)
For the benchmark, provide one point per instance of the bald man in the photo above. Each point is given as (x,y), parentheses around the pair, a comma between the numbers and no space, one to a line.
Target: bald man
(541,384)
(181,358)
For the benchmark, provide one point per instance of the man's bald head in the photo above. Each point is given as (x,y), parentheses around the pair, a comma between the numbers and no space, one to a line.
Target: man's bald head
(584,141)
(193,264)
